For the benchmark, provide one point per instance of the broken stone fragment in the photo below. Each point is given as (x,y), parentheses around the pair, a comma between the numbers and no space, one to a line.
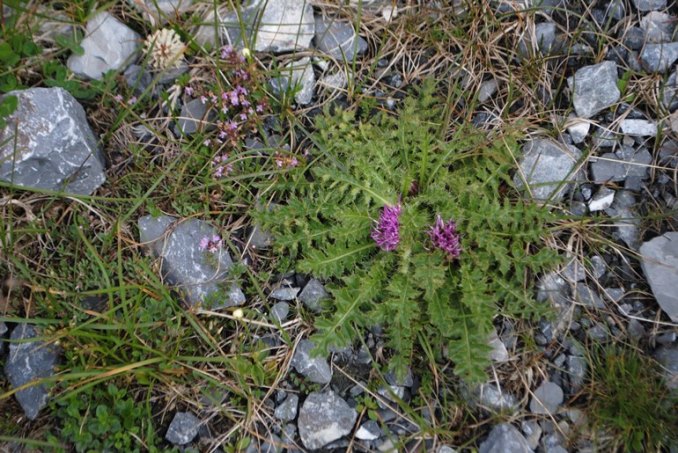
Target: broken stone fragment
(30,360)
(48,144)
(201,275)
(109,45)
(659,260)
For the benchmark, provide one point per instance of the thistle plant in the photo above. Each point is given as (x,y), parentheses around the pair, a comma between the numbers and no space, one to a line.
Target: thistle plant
(421,235)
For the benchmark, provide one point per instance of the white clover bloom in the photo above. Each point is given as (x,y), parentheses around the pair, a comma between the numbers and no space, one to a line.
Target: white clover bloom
(239,313)
(164,49)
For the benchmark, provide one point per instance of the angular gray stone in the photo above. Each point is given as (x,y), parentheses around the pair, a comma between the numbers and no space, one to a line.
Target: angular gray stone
(195,116)
(260,239)
(587,297)
(273,444)
(183,428)
(649,5)
(540,41)
(284,293)
(627,222)
(594,88)
(659,261)
(338,39)
(657,58)
(298,75)
(369,430)
(160,11)
(547,399)
(48,144)
(639,128)
(499,353)
(277,26)
(324,418)
(576,368)
(187,267)
(533,432)
(313,294)
(487,90)
(620,165)
(658,27)
(315,369)
(602,199)
(3,328)
(667,356)
(578,128)
(545,165)
(287,410)
(505,438)
(605,138)
(108,45)
(280,311)
(554,288)
(29,361)
(491,396)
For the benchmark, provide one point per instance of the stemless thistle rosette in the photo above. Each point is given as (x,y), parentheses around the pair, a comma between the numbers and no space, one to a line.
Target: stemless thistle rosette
(444,236)
(386,232)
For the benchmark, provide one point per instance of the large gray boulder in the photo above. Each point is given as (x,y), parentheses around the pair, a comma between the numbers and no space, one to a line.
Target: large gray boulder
(108,45)
(324,418)
(48,144)
(594,88)
(505,438)
(271,26)
(659,260)
(201,275)
(30,361)
(548,168)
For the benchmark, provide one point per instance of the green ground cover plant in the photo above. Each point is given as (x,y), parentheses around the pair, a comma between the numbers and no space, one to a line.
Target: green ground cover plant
(452,249)
(629,400)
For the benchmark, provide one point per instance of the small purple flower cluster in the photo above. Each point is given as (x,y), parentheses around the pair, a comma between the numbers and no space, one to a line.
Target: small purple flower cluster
(443,235)
(387,231)
(210,244)
(221,166)
(282,161)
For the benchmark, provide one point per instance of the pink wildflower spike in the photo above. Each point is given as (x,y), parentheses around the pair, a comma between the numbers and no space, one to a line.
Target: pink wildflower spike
(444,236)
(387,231)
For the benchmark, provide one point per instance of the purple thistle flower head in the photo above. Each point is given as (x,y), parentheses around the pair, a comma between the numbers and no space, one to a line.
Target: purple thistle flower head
(387,231)
(444,236)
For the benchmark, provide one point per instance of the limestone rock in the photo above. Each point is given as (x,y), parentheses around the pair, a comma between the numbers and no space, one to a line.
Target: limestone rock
(299,75)
(185,265)
(108,45)
(183,428)
(505,438)
(48,144)
(324,418)
(30,361)
(594,88)
(548,168)
(315,369)
(338,39)
(659,260)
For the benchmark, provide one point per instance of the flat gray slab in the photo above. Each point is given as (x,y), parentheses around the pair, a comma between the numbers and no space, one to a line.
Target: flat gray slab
(48,144)
(29,361)
(594,88)
(108,45)
(202,276)
(548,168)
(324,418)
(659,260)
(547,399)
(505,438)
(338,39)
(183,428)
(271,26)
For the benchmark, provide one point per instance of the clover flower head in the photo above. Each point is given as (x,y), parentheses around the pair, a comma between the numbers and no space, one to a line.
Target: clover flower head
(282,161)
(210,244)
(444,237)
(386,232)
(164,49)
